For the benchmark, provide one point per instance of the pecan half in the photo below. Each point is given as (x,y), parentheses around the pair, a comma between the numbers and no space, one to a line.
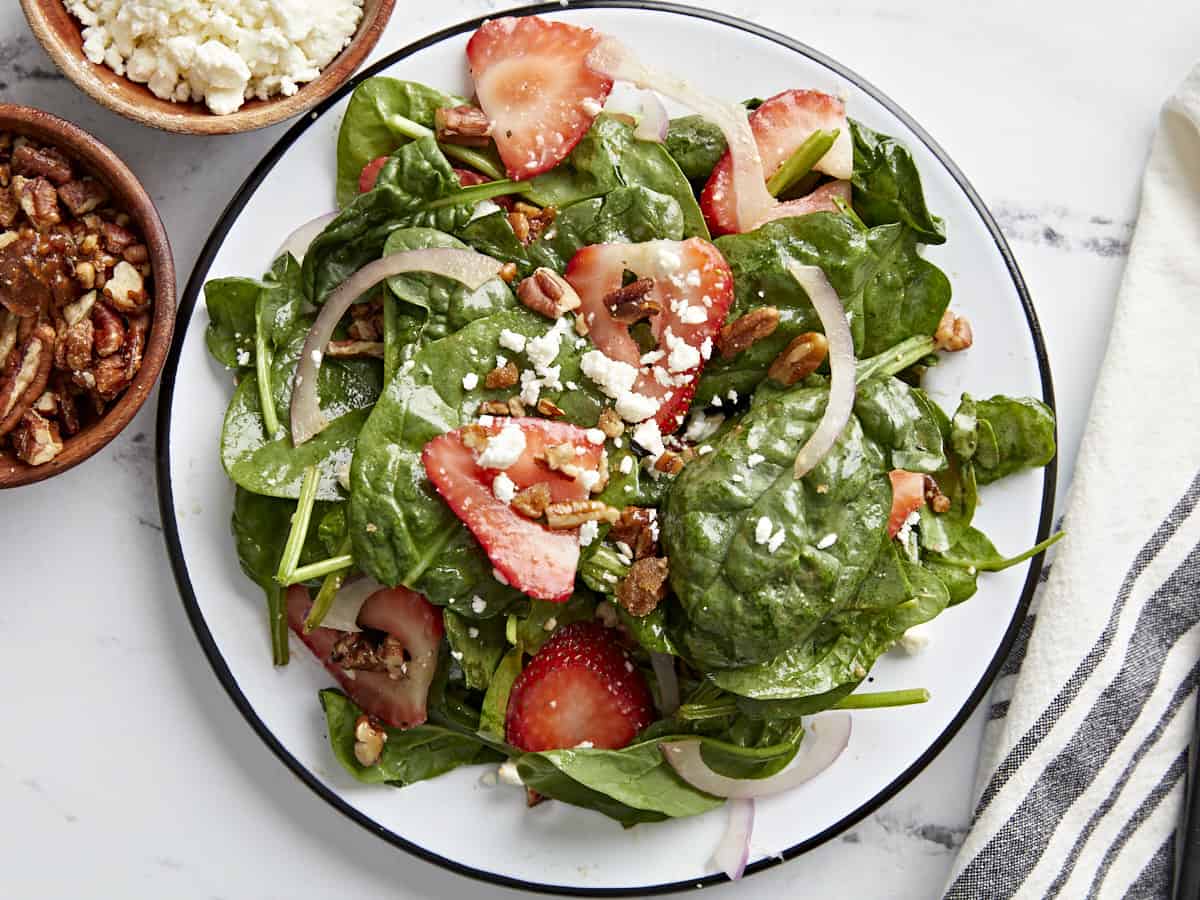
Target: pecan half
(504,376)
(467,126)
(45,161)
(548,293)
(743,333)
(800,358)
(83,196)
(475,437)
(25,376)
(136,254)
(549,408)
(637,530)
(38,199)
(669,463)
(369,738)
(36,440)
(110,377)
(493,408)
(109,330)
(645,586)
(610,423)
(355,651)
(21,291)
(9,324)
(937,501)
(533,501)
(116,238)
(563,458)
(515,406)
(9,207)
(630,303)
(354,349)
(529,222)
(135,345)
(953,333)
(571,513)
(68,414)
(126,290)
(77,344)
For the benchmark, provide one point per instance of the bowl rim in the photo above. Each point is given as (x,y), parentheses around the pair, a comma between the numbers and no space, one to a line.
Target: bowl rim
(102,163)
(212,651)
(95,80)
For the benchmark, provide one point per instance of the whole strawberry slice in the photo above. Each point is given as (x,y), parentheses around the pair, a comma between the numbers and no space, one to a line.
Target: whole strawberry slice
(690,291)
(532,82)
(536,560)
(780,126)
(581,688)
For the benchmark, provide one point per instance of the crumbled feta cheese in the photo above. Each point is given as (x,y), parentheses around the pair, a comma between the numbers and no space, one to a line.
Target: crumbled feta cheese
(503,449)
(706,348)
(501,361)
(584,745)
(705,450)
(472,632)
(588,532)
(588,478)
(649,359)
(243,357)
(732,395)
(906,528)
(626,465)
(635,407)
(504,488)
(591,106)
(754,459)
(594,436)
(776,540)
(683,356)
(649,438)
(914,640)
(612,376)
(702,426)
(826,542)
(694,315)
(487,421)
(542,351)
(510,340)
(470,381)
(763,530)
(478,605)
(531,388)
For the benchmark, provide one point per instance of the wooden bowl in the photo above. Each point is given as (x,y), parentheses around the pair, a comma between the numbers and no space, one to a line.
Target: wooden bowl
(128,195)
(61,34)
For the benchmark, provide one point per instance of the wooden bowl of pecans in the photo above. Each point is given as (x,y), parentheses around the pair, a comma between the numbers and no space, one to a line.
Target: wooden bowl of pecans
(153,86)
(87,295)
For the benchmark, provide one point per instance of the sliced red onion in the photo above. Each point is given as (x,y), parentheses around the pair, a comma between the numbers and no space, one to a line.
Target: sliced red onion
(824,741)
(348,602)
(466,266)
(733,852)
(298,241)
(668,681)
(841,366)
(646,109)
(612,59)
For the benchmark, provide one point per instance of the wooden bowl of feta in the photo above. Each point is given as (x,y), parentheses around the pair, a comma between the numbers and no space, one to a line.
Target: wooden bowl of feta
(208,66)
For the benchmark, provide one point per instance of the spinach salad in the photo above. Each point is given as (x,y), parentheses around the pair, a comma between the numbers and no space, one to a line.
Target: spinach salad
(514,437)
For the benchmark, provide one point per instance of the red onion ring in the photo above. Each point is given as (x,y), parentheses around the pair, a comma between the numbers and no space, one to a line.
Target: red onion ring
(668,681)
(733,852)
(645,107)
(826,738)
(466,266)
(613,60)
(841,366)
(298,242)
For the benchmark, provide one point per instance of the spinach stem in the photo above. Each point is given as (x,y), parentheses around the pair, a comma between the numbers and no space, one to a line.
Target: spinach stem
(299,531)
(320,569)
(883,699)
(472,158)
(477,192)
(329,588)
(848,211)
(894,359)
(999,565)
(262,368)
(391,338)
(801,161)
(277,622)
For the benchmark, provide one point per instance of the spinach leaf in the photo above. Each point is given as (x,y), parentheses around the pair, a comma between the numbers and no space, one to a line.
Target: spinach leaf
(649,630)
(493,236)
(495,701)
(409,755)
(1003,435)
(232,305)
(742,537)
(343,385)
(887,185)
(696,145)
(899,419)
(889,291)
(370,128)
(477,645)
(536,626)
(976,553)
(260,527)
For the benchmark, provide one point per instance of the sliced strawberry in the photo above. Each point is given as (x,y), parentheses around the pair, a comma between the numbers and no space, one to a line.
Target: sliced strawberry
(693,288)
(581,688)
(780,126)
(908,495)
(370,174)
(534,559)
(532,81)
(821,200)
(405,615)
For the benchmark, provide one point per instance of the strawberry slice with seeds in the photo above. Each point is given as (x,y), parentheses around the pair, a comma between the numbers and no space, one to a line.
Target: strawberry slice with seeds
(581,688)
(692,291)
(370,174)
(823,199)
(532,82)
(401,613)
(534,559)
(780,126)
(908,495)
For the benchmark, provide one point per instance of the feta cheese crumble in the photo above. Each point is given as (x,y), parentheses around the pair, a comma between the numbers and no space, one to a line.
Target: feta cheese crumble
(612,376)
(504,488)
(511,340)
(635,407)
(649,438)
(762,530)
(588,532)
(914,640)
(219,52)
(503,449)
(470,381)
(826,542)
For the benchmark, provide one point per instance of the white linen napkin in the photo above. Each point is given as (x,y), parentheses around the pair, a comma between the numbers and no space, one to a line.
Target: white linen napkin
(1082,776)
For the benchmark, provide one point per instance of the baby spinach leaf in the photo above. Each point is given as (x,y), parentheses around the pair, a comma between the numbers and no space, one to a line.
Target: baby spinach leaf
(495,701)
(1010,434)
(976,553)
(371,129)
(476,645)
(898,418)
(260,527)
(649,630)
(741,533)
(409,755)
(492,235)
(231,321)
(941,531)
(696,145)
(536,626)
(887,185)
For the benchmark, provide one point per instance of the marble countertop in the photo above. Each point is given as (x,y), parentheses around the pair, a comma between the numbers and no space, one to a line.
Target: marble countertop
(127,771)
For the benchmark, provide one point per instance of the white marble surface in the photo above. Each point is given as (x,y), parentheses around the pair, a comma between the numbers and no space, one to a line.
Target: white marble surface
(126,770)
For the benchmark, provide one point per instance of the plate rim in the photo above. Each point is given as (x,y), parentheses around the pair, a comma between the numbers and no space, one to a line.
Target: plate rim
(171,528)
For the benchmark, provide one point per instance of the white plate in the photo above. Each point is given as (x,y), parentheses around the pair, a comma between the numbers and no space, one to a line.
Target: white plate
(488,833)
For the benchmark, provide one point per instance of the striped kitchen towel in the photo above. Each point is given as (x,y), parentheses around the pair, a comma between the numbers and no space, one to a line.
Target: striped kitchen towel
(1084,764)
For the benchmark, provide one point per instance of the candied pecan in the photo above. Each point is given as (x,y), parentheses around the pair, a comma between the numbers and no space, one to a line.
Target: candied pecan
(563,458)
(78,343)
(25,376)
(36,440)
(9,325)
(953,333)
(644,587)
(636,529)
(356,651)
(38,199)
(631,304)
(520,226)
(116,238)
(21,291)
(137,254)
(475,437)
(610,423)
(83,196)
(68,413)
(571,513)
(508,272)
(937,501)
(109,330)
(126,289)
(515,406)
(46,161)
(548,293)
(110,376)
(548,407)
(369,738)
(47,404)
(669,463)
(467,126)
(800,358)
(344,349)
(743,333)
(9,207)
(135,345)
(493,408)
(533,501)
(5,174)
(537,219)
(581,325)
(504,376)
(85,274)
